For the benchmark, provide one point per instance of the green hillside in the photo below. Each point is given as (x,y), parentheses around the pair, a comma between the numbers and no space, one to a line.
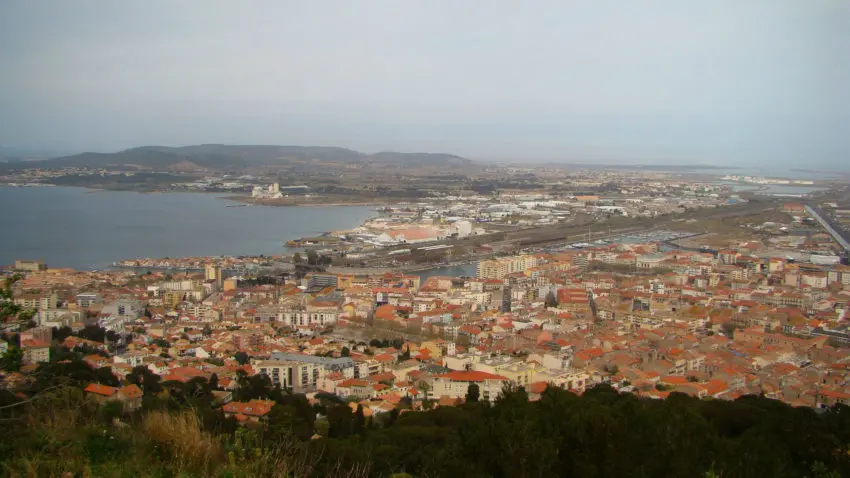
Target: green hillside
(179,431)
(220,157)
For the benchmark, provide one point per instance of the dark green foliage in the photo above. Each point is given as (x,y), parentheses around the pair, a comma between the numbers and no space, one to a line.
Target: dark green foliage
(293,416)
(111,410)
(61,333)
(472,393)
(340,421)
(551,300)
(74,373)
(102,446)
(149,382)
(384,343)
(358,424)
(93,332)
(106,377)
(601,433)
(241,357)
(11,360)
(254,387)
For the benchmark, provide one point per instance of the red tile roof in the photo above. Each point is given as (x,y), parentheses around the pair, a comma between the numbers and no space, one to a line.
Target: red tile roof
(353,382)
(130,391)
(537,387)
(254,408)
(102,390)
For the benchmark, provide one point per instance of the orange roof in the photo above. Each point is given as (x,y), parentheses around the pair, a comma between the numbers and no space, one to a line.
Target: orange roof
(713,387)
(255,408)
(674,379)
(130,391)
(537,387)
(381,377)
(385,312)
(834,393)
(446,401)
(102,390)
(353,382)
(414,233)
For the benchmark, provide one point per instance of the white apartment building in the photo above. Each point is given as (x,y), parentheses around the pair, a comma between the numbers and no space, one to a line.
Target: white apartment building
(500,267)
(455,384)
(302,372)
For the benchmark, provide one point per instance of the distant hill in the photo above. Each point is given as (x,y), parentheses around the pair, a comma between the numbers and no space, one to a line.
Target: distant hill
(11,155)
(222,157)
(419,159)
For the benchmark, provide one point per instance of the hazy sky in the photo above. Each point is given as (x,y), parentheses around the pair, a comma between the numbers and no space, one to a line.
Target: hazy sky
(724,81)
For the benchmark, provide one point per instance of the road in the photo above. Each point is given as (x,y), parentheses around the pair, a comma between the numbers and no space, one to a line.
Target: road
(841,237)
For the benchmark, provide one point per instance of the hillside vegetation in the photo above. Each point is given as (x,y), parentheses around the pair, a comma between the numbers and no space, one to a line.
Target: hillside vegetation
(179,431)
(221,157)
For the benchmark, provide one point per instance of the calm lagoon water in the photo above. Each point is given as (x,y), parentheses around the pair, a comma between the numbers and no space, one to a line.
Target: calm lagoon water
(79,228)
(450,271)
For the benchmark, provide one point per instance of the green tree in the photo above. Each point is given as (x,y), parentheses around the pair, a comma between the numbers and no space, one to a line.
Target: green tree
(281,422)
(339,421)
(111,410)
(425,388)
(252,387)
(312,258)
(62,333)
(551,300)
(472,393)
(149,382)
(94,333)
(106,377)
(345,352)
(241,357)
(358,424)
(8,308)
(11,361)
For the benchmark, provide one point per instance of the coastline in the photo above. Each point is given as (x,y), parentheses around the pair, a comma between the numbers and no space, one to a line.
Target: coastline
(228,196)
(291,202)
(112,234)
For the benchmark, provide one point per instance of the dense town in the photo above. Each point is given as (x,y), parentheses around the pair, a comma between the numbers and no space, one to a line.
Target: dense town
(414,241)
(762,317)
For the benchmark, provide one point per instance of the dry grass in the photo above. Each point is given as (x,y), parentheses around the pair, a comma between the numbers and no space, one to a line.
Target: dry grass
(179,439)
(66,436)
